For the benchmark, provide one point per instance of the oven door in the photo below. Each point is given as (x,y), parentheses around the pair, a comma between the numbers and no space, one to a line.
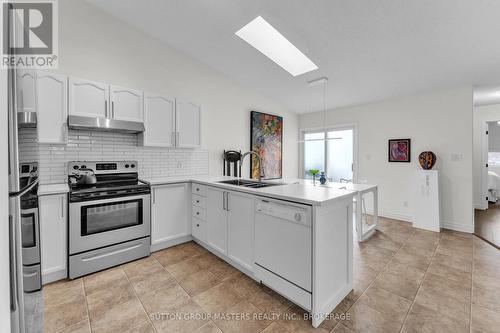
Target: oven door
(99,223)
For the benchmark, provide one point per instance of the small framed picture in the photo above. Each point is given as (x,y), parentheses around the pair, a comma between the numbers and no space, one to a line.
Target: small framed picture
(399,150)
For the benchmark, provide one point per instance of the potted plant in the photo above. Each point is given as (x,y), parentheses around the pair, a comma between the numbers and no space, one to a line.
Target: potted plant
(314,172)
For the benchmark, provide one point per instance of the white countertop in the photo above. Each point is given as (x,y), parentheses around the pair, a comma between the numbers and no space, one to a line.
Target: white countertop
(347,186)
(48,189)
(299,190)
(292,190)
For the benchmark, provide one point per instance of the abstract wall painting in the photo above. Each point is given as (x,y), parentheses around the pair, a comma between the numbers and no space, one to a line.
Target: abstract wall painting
(266,139)
(400,150)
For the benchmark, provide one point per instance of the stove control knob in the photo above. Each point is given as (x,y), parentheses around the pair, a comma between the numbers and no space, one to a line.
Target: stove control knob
(126,166)
(75,167)
(83,167)
(132,166)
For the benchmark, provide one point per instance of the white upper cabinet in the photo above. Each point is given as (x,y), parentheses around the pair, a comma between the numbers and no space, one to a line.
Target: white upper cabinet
(52,96)
(88,98)
(188,124)
(159,121)
(126,104)
(26,101)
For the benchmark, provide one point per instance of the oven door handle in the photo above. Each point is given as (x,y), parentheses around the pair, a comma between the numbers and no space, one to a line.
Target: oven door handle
(104,255)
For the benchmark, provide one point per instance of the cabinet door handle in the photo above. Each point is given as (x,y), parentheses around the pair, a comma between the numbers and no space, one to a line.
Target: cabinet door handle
(106,109)
(154,196)
(104,255)
(223,200)
(112,109)
(227,201)
(62,208)
(197,201)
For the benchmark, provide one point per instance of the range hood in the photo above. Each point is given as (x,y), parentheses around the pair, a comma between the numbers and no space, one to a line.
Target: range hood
(26,119)
(104,124)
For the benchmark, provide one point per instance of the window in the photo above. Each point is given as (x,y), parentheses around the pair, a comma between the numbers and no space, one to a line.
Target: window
(329,151)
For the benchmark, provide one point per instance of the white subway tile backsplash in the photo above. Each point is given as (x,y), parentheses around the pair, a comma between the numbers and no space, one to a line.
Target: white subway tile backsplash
(103,146)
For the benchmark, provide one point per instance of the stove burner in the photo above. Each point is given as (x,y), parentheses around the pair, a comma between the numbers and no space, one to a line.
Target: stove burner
(113,179)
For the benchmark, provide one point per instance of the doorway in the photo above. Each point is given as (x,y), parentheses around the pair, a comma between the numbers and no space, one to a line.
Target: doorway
(332,151)
(487,213)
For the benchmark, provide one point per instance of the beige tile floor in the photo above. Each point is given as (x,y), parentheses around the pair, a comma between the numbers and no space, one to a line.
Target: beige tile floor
(487,224)
(405,280)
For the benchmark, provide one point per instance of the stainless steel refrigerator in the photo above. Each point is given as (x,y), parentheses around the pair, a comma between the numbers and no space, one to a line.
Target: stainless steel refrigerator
(24,233)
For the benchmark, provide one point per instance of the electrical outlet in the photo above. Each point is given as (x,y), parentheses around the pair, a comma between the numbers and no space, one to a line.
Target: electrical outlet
(456,157)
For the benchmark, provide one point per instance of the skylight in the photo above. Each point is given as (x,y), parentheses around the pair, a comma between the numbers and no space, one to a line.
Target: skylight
(265,38)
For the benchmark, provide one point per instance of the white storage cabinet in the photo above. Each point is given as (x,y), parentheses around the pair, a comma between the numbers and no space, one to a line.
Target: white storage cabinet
(53,236)
(170,215)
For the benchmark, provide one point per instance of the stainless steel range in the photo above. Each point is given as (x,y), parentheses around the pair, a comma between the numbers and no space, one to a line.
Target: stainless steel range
(109,216)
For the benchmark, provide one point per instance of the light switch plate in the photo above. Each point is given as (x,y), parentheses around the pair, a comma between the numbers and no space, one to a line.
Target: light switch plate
(456,157)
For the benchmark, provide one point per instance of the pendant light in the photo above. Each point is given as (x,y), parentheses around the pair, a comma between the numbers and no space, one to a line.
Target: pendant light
(315,83)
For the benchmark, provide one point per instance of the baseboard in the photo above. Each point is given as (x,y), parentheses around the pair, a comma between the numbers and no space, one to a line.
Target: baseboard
(230,261)
(170,242)
(444,224)
(327,309)
(458,227)
(54,276)
(480,206)
(394,216)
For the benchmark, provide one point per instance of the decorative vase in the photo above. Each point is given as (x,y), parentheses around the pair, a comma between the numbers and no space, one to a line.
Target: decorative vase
(322,178)
(314,172)
(427,159)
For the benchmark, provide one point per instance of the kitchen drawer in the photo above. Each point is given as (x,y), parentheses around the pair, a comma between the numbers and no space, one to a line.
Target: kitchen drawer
(199,189)
(97,260)
(200,213)
(199,201)
(199,229)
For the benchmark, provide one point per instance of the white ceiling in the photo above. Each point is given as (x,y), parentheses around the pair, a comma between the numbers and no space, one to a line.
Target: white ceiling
(369,50)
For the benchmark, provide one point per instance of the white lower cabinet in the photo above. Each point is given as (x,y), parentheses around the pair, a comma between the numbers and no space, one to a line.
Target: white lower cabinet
(170,215)
(241,210)
(199,229)
(53,233)
(216,216)
(230,225)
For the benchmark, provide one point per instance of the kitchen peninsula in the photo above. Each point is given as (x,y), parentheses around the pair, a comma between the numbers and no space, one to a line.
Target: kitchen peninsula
(294,238)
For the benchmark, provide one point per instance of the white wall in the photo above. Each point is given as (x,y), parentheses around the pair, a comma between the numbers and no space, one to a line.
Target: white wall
(96,46)
(440,122)
(481,115)
(4,210)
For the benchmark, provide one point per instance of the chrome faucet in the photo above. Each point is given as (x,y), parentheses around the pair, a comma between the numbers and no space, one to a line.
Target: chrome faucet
(261,166)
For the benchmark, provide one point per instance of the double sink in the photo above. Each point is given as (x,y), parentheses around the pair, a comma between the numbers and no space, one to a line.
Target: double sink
(248,183)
